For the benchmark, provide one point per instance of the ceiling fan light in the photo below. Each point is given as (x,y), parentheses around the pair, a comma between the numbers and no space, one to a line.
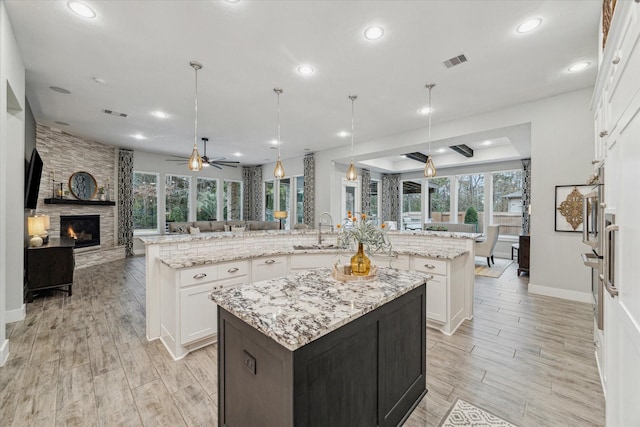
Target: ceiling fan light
(429,169)
(278,172)
(352,175)
(195,161)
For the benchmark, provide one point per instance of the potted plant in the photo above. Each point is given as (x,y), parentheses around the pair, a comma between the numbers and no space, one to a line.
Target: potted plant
(369,237)
(101,195)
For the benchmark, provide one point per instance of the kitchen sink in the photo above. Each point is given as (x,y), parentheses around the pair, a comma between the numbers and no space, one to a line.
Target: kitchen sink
(307,247)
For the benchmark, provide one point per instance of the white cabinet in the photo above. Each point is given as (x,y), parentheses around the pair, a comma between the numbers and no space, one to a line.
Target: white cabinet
(198,316)
(445,292)
(300,262)
(268,268)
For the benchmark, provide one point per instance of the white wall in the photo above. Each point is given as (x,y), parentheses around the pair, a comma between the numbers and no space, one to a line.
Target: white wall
(561,140)
(11,192)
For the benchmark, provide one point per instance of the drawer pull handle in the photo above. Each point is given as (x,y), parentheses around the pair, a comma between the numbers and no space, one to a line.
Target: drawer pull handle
(200,276)
(270,261)
(232,270)
(430,266)
(616,60)
(604,133)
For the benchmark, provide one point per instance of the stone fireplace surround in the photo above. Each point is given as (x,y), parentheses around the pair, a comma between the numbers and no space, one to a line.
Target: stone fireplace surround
(64,154)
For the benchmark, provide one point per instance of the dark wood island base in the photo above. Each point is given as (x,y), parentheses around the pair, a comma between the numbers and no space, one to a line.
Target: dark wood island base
(368,372)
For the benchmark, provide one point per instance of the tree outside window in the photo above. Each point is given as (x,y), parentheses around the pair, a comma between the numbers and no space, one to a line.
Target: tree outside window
(440,199)
(177,197)
(232,210)
(507,201)
(471,193)
(412,204)
(207,199)
(145,201)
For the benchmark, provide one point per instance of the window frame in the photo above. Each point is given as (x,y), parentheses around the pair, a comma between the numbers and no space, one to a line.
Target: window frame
(150,231)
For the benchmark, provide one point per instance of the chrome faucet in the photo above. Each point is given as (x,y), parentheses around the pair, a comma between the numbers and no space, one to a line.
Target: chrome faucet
(320,226)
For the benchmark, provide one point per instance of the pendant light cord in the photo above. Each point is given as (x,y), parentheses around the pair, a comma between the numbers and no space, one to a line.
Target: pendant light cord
(195,123)
(430,86)
(278,92)
(353,99)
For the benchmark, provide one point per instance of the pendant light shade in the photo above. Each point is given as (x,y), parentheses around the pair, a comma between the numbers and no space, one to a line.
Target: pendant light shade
(278,172)
(352,175)
(195,161)
(429,167)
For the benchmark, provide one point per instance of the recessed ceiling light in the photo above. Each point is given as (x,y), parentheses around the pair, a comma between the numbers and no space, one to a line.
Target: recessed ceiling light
(160,114)
(138,136)
(579,66)
(305,70)
(99,81)
(442,150)
(343,134)
(404,156)
(487,142)
(424,111)
(373,33)
(274,142)
(60,90)
(62,123)
(529,25)
(237,154)
(81,9)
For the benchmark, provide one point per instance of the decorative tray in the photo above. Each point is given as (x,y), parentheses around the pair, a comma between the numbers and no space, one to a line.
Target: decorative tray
(343,274)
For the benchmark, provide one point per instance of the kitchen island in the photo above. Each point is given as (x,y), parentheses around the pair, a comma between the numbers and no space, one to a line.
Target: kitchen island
(308,350)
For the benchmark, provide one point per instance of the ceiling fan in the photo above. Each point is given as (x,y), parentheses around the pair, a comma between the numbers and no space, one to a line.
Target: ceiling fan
(216,162)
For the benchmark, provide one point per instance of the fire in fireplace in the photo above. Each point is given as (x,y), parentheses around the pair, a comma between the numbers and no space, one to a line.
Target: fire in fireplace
(84,229)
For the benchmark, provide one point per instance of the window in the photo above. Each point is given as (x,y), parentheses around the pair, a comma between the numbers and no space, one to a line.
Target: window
(374,201)
(299,200)
(207,199)
(145,202)
(232,210)
(507,202)
(177,197)
(471,194)
(284,200)
(440,199)
(269,200)
(350,202)
(412,204)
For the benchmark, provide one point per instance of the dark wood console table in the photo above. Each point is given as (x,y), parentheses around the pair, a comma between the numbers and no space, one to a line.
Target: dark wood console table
(523,255)
(50,266)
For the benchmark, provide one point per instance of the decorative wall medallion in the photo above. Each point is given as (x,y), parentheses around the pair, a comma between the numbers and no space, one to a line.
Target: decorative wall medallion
(569,207)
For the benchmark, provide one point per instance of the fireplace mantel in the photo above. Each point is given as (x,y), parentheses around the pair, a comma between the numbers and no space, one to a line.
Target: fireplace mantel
(79,202)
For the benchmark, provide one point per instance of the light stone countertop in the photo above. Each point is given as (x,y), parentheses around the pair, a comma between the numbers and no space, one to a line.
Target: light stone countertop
(216,256)
(299,308)
(182,238)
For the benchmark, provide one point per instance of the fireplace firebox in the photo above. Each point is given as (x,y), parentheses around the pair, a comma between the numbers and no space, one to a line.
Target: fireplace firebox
(84,229)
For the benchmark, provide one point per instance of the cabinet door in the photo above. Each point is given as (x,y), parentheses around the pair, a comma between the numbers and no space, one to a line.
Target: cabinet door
(311,261)
(437,299)
(268,268)
(198,314)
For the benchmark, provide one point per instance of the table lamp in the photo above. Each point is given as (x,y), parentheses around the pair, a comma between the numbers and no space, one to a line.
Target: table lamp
(280,215)
(47,227)
(36,228)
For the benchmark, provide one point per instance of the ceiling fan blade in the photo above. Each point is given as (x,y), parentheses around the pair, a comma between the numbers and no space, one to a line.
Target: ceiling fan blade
(222,162)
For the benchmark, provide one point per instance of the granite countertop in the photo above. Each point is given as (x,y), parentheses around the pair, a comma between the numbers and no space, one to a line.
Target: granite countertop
(216,256)
(299,308)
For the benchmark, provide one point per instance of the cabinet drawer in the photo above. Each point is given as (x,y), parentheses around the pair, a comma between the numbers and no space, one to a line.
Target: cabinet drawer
(200,274)
(233,269)
(230,283)
(268,268)
(430,265)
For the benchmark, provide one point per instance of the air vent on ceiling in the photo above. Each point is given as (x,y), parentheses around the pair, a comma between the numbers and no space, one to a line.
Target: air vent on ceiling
(463,149)
(417,156)
(114,113)
(456,60)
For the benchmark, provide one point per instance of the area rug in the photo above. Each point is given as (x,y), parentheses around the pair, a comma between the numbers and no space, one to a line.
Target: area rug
(465,414)
(495,270)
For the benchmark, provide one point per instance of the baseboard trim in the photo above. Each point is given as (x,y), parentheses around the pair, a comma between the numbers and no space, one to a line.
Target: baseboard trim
(4,352)
(16,315)
(560,293)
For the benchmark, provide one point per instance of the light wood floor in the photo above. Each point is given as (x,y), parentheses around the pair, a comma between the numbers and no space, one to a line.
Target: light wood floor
(84,360)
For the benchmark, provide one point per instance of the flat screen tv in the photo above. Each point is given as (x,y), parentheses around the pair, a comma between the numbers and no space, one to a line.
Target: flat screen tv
(32,181)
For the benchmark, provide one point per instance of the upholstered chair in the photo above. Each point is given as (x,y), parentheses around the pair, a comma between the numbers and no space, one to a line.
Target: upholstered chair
(485,248)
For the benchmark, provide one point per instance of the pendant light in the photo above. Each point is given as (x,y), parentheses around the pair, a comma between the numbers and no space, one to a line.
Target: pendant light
(429,167)
(352,175)
(195,161)
(278,172)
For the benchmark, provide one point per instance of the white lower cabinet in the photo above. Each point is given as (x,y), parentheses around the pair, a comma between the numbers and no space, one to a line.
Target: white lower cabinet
(198,315)
(303,262)
(269,268)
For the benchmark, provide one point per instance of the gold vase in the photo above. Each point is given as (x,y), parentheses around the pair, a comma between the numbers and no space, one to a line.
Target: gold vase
(360,263)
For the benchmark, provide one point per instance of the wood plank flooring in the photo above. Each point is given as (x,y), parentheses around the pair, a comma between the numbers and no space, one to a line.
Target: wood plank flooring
(84,360)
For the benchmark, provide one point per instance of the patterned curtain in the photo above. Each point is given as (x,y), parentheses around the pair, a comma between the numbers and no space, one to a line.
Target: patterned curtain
(252,198)
(309,189)
(365,191)
(526,194)
(125,200)
(391,198)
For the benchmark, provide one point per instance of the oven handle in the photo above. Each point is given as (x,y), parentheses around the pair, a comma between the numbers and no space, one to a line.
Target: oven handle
(613,291)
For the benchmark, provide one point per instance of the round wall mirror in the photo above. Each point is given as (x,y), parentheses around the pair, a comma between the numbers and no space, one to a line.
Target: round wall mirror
(83,185)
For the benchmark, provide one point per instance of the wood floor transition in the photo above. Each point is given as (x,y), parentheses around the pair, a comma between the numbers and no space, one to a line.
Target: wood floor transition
(84,360)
